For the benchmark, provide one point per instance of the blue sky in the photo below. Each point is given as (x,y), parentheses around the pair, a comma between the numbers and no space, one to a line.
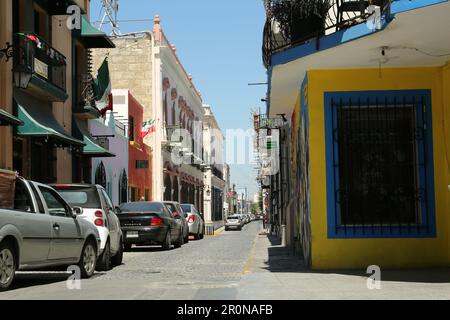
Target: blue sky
(219,43)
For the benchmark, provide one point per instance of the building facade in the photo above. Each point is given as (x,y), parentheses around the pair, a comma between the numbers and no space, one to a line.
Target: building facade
(368,154)
(130,112)
(214,179)
(111,172)
(147,64)
(42,89)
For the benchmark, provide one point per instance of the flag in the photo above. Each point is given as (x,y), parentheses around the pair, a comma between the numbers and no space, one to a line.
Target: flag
(102,88)
(147,128)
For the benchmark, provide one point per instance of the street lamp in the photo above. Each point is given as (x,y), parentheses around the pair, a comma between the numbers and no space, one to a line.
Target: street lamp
(22,76)
(22,73)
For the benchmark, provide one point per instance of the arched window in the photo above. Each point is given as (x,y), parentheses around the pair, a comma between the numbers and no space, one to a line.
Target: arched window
(168,188)
(100,175)
(123,188)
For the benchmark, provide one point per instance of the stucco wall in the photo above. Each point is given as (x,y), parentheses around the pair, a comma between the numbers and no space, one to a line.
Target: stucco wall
(6,157)
(113,166)
(386,252)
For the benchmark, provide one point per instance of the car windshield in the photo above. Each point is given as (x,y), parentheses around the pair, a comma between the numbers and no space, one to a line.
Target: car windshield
(153,207)
(87,198)
(186,208)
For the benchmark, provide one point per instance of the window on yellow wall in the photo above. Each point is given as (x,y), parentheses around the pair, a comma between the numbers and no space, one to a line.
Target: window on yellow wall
(380,168)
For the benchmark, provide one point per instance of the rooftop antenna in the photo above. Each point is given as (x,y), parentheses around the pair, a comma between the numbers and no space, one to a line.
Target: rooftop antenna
(110,10)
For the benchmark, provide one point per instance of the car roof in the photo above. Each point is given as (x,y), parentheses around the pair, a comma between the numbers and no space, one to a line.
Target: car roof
(75,185)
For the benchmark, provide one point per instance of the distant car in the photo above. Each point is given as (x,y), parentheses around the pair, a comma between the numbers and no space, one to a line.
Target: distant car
(234,222)
(99,210)
(180,215)
(195,221)
(252,217)
(149,223)
(40,230)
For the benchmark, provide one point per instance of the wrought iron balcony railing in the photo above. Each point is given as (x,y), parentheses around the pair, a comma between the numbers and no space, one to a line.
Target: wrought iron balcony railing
(40,59)
(285,28)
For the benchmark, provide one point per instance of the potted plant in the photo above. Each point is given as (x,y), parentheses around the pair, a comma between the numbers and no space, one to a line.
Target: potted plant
(300,19)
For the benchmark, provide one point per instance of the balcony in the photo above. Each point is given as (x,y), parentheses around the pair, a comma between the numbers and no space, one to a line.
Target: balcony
(293,23)
(46,65)
(86,107)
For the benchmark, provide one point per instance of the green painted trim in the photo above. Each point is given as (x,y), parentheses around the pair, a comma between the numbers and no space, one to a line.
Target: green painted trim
(91,148)
(93,112)
(57,93)
(7,119)
(38,121)
(92,37)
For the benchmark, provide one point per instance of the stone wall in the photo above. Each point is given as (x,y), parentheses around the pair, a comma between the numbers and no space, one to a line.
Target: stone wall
(130,66)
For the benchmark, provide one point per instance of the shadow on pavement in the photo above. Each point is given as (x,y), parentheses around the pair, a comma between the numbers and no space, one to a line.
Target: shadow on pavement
(282,259)
(32,279)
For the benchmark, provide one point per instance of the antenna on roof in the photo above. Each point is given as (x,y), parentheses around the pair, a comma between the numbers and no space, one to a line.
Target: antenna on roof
(110,10)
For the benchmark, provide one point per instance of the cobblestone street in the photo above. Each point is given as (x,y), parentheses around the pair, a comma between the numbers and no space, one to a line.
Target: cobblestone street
(237,265)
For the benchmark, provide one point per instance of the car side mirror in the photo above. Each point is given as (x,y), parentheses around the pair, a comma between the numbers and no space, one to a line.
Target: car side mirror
(118,209)
(176,215)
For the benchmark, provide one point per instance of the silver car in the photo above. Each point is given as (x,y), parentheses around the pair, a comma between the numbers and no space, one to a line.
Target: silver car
(39,230)
(234,222)
(195,221)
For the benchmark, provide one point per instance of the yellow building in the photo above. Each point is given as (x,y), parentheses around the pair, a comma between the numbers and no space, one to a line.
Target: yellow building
(370,138)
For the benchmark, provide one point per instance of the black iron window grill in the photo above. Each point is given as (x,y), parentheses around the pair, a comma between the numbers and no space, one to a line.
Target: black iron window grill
(382,183)
(294,22)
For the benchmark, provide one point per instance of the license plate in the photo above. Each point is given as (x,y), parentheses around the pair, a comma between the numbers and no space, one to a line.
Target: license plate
(132,234)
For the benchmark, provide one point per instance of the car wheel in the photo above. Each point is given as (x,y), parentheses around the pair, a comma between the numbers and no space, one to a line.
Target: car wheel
(127,247)
(7,266)
(197,235)
(202,234)
(186,239)
(88,260)
(118,258)
(167,242)
(104,263)
(180,241)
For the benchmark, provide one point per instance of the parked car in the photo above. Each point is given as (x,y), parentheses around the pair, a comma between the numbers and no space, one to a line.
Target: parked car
(195,221)
(234,222)
(99,210)
(180,215)
(245,218)
(40,230)
(149,223)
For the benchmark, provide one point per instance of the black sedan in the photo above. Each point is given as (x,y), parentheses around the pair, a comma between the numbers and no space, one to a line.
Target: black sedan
(149,223)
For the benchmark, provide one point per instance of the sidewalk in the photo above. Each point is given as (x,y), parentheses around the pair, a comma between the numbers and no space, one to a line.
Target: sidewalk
(273,273)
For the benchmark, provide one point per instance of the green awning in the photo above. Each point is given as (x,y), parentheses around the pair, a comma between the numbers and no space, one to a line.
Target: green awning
(92,37)
(38,121)
(91,148)
(91,112)
(7,119)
